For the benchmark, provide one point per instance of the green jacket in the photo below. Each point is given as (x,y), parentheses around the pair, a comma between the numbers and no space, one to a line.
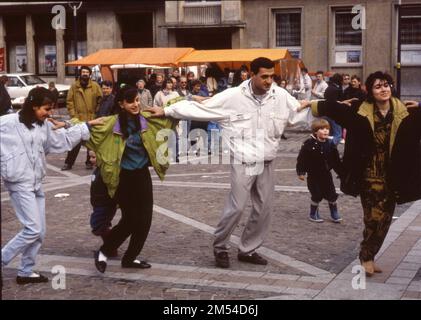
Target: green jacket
(83,103)
(108,144)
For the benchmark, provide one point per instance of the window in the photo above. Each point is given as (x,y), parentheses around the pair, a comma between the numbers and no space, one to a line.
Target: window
(201,2)
(411,36)
(45,42)
(288,31)
(17,59)
(348,41)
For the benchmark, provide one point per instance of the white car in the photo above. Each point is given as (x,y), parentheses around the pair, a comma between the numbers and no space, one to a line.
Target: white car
(19,85)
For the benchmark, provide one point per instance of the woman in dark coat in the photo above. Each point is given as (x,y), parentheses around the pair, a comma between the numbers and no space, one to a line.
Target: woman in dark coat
(382,157)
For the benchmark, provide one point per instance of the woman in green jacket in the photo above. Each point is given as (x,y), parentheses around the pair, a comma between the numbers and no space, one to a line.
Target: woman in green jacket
(125,146)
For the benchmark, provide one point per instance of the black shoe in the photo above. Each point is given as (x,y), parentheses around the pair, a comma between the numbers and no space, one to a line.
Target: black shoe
(100,265)
(89,166)
(34,278)
(222,259)
(136,264)
(66,167)
(283,137)
(254,258)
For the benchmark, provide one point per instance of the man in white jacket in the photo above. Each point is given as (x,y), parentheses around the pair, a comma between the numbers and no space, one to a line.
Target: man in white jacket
(253,117)
(26,138)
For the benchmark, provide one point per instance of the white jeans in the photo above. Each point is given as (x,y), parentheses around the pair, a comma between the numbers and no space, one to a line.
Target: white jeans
(261,188)
(30,210)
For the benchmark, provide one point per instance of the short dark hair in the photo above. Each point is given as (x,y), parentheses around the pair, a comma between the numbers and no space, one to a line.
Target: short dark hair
(196,82)
(107,83)
(320,72)
(356,77)
(336,79)
(371,79)
(305,70)
(86,68)
(261,62)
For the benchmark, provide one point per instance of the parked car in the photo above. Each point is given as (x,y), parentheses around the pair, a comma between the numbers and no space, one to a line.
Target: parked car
(19,85)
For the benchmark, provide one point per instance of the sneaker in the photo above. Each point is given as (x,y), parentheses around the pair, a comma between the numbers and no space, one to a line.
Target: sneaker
(253,258)
(222,259)
(66,167)
(33,278)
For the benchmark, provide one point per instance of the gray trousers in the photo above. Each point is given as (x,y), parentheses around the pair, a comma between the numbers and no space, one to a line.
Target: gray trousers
(261,188)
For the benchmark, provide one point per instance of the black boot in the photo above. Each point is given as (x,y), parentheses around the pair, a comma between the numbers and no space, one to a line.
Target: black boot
(334,214)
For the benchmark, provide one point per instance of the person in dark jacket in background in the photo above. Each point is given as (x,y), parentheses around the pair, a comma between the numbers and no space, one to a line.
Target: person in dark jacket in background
(334,93)
(5,101)
(317,157)
(107,101)
(382,157)
(354,91)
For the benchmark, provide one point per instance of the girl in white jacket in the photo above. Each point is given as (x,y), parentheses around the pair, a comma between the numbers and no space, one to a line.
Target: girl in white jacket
(26,138)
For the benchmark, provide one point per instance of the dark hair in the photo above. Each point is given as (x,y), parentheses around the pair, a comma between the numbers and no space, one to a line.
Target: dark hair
(128,94)
(369,83)
(320,72)
(86,68)
(305,70)
(195,83)
(107,83)
(356,77)
(336,79)
(261,62)
(37,97)
(164,83)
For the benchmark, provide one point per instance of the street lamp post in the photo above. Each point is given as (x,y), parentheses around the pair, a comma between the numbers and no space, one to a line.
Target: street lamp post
(75,7)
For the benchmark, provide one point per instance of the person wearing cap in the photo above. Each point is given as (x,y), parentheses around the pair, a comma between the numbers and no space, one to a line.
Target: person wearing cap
(83,100)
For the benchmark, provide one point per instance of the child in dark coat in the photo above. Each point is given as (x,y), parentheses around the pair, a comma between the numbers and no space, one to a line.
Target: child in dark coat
(317,157)
(104,207)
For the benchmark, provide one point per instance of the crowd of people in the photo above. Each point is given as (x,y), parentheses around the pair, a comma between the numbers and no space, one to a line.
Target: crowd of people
(119,124)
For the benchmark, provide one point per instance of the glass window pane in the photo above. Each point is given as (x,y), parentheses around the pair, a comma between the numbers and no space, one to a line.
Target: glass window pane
(411,30)
(345,35)
(288,29)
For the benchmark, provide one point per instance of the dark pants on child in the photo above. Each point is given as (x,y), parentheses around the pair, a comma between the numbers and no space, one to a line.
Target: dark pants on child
(135,198)
(101,218)
(72,155)
(322,187)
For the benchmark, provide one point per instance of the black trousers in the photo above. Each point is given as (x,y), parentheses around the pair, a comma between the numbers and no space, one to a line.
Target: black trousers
(72,155)
(322,187)
(135,198)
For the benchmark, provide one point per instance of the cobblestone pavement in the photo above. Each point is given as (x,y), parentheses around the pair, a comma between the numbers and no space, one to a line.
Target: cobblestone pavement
(306,260)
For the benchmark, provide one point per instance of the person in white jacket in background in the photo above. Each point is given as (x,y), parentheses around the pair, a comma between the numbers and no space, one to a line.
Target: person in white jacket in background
(253,117)
(26,138)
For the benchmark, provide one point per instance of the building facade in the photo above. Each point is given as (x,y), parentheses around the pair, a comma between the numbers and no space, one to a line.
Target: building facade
(326,34)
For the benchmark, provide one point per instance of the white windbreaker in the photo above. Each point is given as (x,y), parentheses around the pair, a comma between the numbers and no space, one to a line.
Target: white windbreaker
(23,151)
(251,128)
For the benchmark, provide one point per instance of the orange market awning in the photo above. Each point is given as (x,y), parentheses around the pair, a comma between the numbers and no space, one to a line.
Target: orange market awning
(150,56)
(233,58)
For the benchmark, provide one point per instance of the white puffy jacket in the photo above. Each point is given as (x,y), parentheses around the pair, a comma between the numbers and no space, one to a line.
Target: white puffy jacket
(241,116)
(23,151)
